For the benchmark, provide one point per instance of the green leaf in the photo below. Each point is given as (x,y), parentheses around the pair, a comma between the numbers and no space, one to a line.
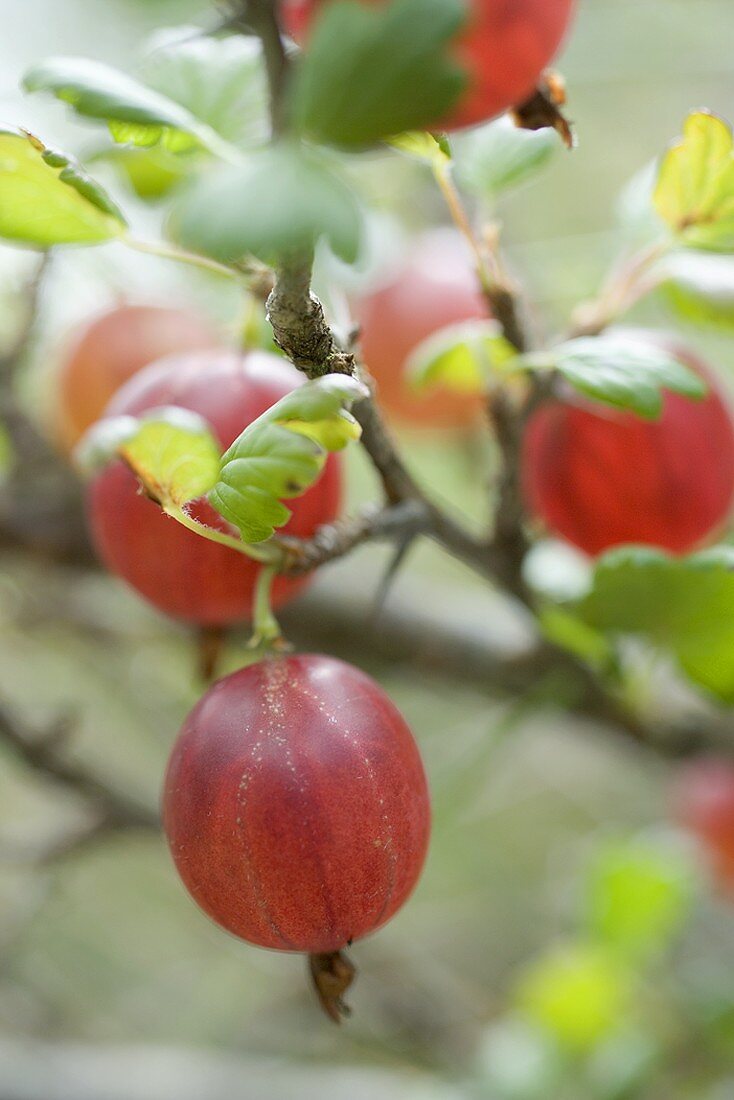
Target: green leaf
(134,112)
(47,198)
(625,371)
(695,188)
(639,892)
(699,286)
(277,205)
(683,605)
(373,71)
(282,453)
(579,992)
(221,81)
(462,357)
(497,157)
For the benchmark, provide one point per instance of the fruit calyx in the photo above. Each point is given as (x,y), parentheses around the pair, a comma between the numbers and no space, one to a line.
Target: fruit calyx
(332,974)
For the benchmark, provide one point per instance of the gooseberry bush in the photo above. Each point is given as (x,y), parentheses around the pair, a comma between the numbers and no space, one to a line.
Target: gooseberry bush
(296,804)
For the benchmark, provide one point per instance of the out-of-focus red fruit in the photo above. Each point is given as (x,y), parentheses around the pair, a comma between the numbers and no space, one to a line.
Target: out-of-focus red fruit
(296,805)
(599,478)
(180,572)
(113,347)
(503,49)
(705,805)
(436,286)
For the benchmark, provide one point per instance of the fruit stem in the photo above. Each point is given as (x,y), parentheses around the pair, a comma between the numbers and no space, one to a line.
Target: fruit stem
(332,974)
(266,629)
(494,281)
(250,324)
(209,645)
(442,175)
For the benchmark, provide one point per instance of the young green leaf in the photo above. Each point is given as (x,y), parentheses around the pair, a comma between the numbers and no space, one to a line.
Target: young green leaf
(100,445)
(639,892)
(373,71)
(432,148)
(695,188)
(683,605)
(134,112)
(277,205)
(462,357)
(46,197)
(699,286)
(174,455)
(221,81)
(282,453)
(621,370)
(171,451)
(495,158)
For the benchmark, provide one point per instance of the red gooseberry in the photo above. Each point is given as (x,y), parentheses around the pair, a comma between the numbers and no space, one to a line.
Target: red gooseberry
(435,286)
(502,48)
(598,477)
(296,805)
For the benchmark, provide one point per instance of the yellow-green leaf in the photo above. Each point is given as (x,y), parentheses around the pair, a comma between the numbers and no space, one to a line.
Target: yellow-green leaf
(433,148)
(46,197)
(695,188)
(461,357)
(174,455)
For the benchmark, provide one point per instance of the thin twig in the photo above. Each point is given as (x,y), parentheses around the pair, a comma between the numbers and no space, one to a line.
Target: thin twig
(337,539)
(260,16)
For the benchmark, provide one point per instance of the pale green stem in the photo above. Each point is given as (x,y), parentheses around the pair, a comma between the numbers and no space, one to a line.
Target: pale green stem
(268,555)
(170,252)
(444,179)
(626,285)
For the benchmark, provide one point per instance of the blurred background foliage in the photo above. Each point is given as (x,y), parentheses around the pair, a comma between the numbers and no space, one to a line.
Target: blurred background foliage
(565,942)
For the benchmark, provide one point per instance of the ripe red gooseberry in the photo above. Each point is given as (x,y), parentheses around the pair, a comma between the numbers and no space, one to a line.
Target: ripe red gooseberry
(705,806)
(296,806)
(502,48)
(182,573)
(435,286)
(104,353)
(598,477)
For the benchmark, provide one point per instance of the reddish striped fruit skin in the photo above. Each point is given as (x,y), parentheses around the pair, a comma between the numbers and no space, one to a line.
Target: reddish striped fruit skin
(113,347)
(503,49)
(705,805)
(296,805)
(435,286)
(180,572)
(600,478)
